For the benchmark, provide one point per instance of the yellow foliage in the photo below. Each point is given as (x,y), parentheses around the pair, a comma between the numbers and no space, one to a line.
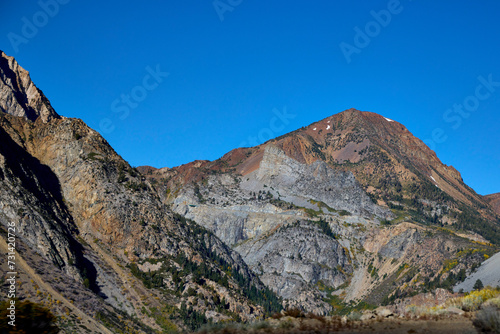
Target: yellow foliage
(473,300)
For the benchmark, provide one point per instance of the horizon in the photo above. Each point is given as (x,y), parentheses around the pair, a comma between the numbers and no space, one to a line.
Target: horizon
(202,80)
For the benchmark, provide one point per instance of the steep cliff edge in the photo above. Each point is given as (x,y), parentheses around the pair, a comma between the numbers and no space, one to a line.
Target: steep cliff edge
(18,94)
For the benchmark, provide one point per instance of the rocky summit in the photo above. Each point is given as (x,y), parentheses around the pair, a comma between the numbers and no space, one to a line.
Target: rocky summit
(349,213)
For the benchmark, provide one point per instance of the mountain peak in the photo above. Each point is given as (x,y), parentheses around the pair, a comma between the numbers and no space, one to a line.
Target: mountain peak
(18,94)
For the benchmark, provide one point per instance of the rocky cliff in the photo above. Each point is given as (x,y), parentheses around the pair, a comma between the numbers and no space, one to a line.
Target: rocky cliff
(98,223)
(18,94)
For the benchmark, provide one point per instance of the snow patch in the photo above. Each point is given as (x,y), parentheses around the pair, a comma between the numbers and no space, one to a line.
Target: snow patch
(328,122)
(388,120)
(328,127)
(314,129)
(433,179)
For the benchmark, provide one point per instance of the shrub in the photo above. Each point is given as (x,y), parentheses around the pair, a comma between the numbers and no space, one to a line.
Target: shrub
(277,315)
(261,325)
(285,324)
(495,302)
(294,313)
(475,299)
(488,320)
(412,310)
(471,302)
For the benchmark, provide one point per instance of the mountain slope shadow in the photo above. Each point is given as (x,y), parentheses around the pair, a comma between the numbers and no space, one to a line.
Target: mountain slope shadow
(39,180)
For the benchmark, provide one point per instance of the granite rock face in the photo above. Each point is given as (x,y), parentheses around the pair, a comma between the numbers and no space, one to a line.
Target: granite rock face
(296,257)
(18,94)
(238,208)
(31,198)
(261,215)
(300,183)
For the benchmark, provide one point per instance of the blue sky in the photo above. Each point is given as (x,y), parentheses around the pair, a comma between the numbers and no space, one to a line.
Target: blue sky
(233,66)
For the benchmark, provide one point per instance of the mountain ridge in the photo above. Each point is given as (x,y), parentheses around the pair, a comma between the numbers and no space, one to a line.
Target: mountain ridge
(352,209)
(246,199)
(494,200)
(102,229)
(19,96)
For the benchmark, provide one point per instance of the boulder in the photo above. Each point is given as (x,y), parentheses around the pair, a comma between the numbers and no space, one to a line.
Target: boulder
(383,312)
(455,310)
(367,316)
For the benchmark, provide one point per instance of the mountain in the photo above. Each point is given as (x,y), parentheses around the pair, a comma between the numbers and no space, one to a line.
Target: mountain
(349,212)
(494,200)
(94,242)
(357,185)
(18,94)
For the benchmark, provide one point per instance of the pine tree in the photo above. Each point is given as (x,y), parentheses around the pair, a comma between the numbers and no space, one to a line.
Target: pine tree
(478,285)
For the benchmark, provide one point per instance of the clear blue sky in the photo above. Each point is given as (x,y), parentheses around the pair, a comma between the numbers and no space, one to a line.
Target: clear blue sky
(227,76)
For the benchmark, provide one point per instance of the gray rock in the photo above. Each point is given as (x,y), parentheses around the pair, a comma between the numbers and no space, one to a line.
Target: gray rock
(367,316)
(18,94)
(294,258)
(455,310)
(299,183)
(383,312)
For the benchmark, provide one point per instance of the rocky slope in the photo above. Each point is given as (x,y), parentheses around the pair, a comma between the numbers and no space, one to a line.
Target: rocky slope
(295,257)
(396,169)
(347,211)
(367,177)
(98,223)
(488,273)
(18,94)
(494,200)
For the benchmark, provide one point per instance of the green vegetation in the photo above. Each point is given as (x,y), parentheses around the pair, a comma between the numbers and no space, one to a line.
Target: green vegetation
(121,173)
(120,322)
(192,319)
(150,279)
(261,296)
(136,186)
(373,271)
(198,193)
(283,205)
(92,156)
(321,205)
(338,305)
(315,148)
(428,191)
(472,301)
(471,220)
(162,318)
(325,227)
(214,268)
(478,285)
